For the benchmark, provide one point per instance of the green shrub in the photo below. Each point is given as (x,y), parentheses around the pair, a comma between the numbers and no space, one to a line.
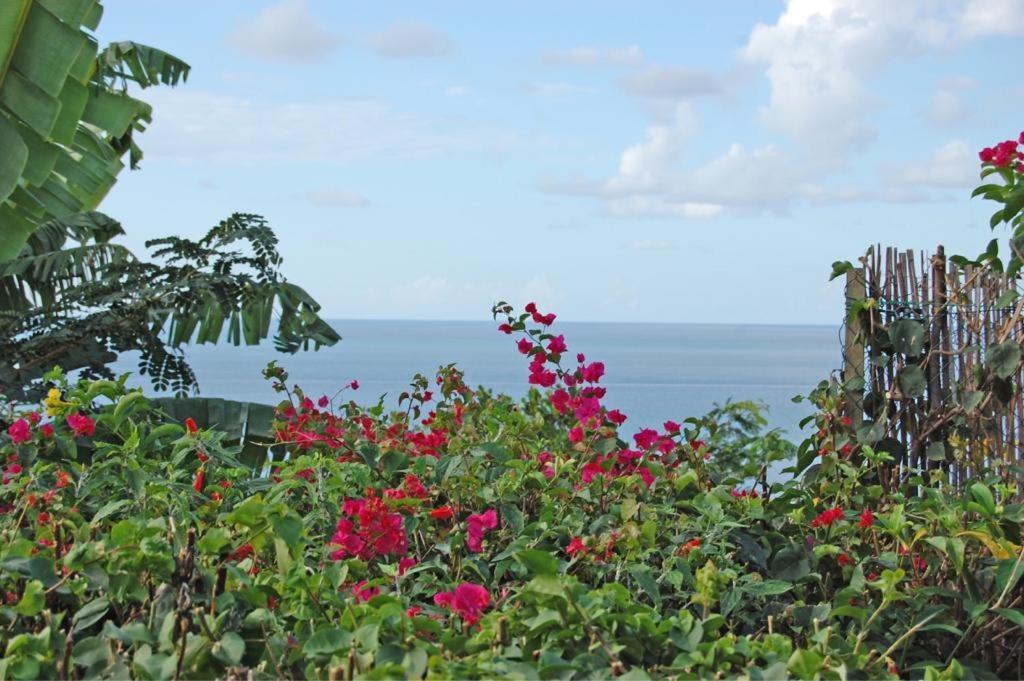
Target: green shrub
(469,535)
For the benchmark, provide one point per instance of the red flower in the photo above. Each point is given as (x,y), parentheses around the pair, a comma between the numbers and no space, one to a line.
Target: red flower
(671,427)
(867,519)
(190,425)
(46,430)
(405,564)
(593,372)
(505,328)
(19,432)
(524,345)
(467,600)
(364,593)
(412,611)
(323,402)
(62,479)
(845,560)
(477,526)
(576,546)
(442,513)
(81,425)
(242,552)
(354,385)
(198,484)
(826,518)
(576,435)
(689,546)
(646,438)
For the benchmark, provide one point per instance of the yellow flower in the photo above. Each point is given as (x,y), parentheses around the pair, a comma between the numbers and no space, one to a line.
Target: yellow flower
(54,403)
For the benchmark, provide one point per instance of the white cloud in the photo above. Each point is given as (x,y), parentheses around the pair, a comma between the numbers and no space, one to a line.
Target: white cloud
(285,31)
(198,126)
(673,82)
(952,165)
(992,17)
(336,197)
(821,59)
(411,41)
(947,107)
(456,90)
(614,57)
(428,289)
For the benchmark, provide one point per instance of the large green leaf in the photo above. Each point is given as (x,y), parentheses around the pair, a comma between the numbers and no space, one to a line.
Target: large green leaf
(65,118)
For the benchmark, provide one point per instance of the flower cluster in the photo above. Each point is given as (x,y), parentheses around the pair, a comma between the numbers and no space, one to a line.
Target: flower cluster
(369,529)
(828,517)
(1004,154)
(467,600)
(477,526)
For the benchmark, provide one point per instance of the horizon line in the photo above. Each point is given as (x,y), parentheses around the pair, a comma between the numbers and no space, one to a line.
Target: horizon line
(589,321)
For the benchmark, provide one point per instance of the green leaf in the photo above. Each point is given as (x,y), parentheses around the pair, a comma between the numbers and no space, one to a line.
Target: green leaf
(13,160)
(538,561)
(548,585)
(937,451)
(230,648)
(907,337)
(1015,616)
(768,587)
(983,495)
(912,381)
(839,268)
(89,614)
(643,577)
(33,600)
(1003,358)
(791,564)
(971,400)
(327,641)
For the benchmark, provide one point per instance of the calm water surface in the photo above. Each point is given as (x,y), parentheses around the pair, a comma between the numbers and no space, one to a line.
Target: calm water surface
(653,371)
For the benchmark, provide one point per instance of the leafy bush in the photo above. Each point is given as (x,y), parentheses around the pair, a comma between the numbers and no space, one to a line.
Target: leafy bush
(468,535)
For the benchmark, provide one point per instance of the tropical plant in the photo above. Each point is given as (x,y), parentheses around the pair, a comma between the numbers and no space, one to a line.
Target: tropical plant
(80,305)
(66,120)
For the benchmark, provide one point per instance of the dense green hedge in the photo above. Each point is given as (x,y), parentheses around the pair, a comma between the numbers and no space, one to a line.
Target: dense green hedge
(472,536)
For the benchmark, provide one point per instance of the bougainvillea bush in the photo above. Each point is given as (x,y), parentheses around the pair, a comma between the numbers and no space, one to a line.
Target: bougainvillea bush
(470,535)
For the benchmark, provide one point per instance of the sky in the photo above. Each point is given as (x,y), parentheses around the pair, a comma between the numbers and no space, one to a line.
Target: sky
(640,161)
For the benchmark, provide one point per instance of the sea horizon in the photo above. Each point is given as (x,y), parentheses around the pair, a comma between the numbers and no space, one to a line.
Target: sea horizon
(655,371)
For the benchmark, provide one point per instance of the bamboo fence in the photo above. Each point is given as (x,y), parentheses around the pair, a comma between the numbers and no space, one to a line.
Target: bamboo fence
(966,421)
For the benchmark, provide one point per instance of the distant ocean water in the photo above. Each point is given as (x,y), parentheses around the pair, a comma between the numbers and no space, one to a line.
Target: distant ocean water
(654,372)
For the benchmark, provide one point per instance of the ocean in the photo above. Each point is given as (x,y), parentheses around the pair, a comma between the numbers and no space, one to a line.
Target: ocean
(654,372)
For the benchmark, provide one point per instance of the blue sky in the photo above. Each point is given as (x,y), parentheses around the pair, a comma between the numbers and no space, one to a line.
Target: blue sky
(642,161)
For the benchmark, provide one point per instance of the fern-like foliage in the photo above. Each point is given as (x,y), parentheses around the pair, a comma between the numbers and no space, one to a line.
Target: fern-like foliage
(75,299)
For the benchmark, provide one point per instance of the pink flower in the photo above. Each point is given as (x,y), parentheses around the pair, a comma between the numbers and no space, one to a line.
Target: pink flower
(412,611)
(524,345)
(505,328)
(557,345)
(646,475)
(81,425)
(46,430)
(477,526)
(576,435)
(19,432)
(671,427)
(560,400)
(405,564)
(12,471)
(323,402)
(576,546)
(593,372)
(354,385)
(646,438)
(468,601)
(616,417)
(364,593)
